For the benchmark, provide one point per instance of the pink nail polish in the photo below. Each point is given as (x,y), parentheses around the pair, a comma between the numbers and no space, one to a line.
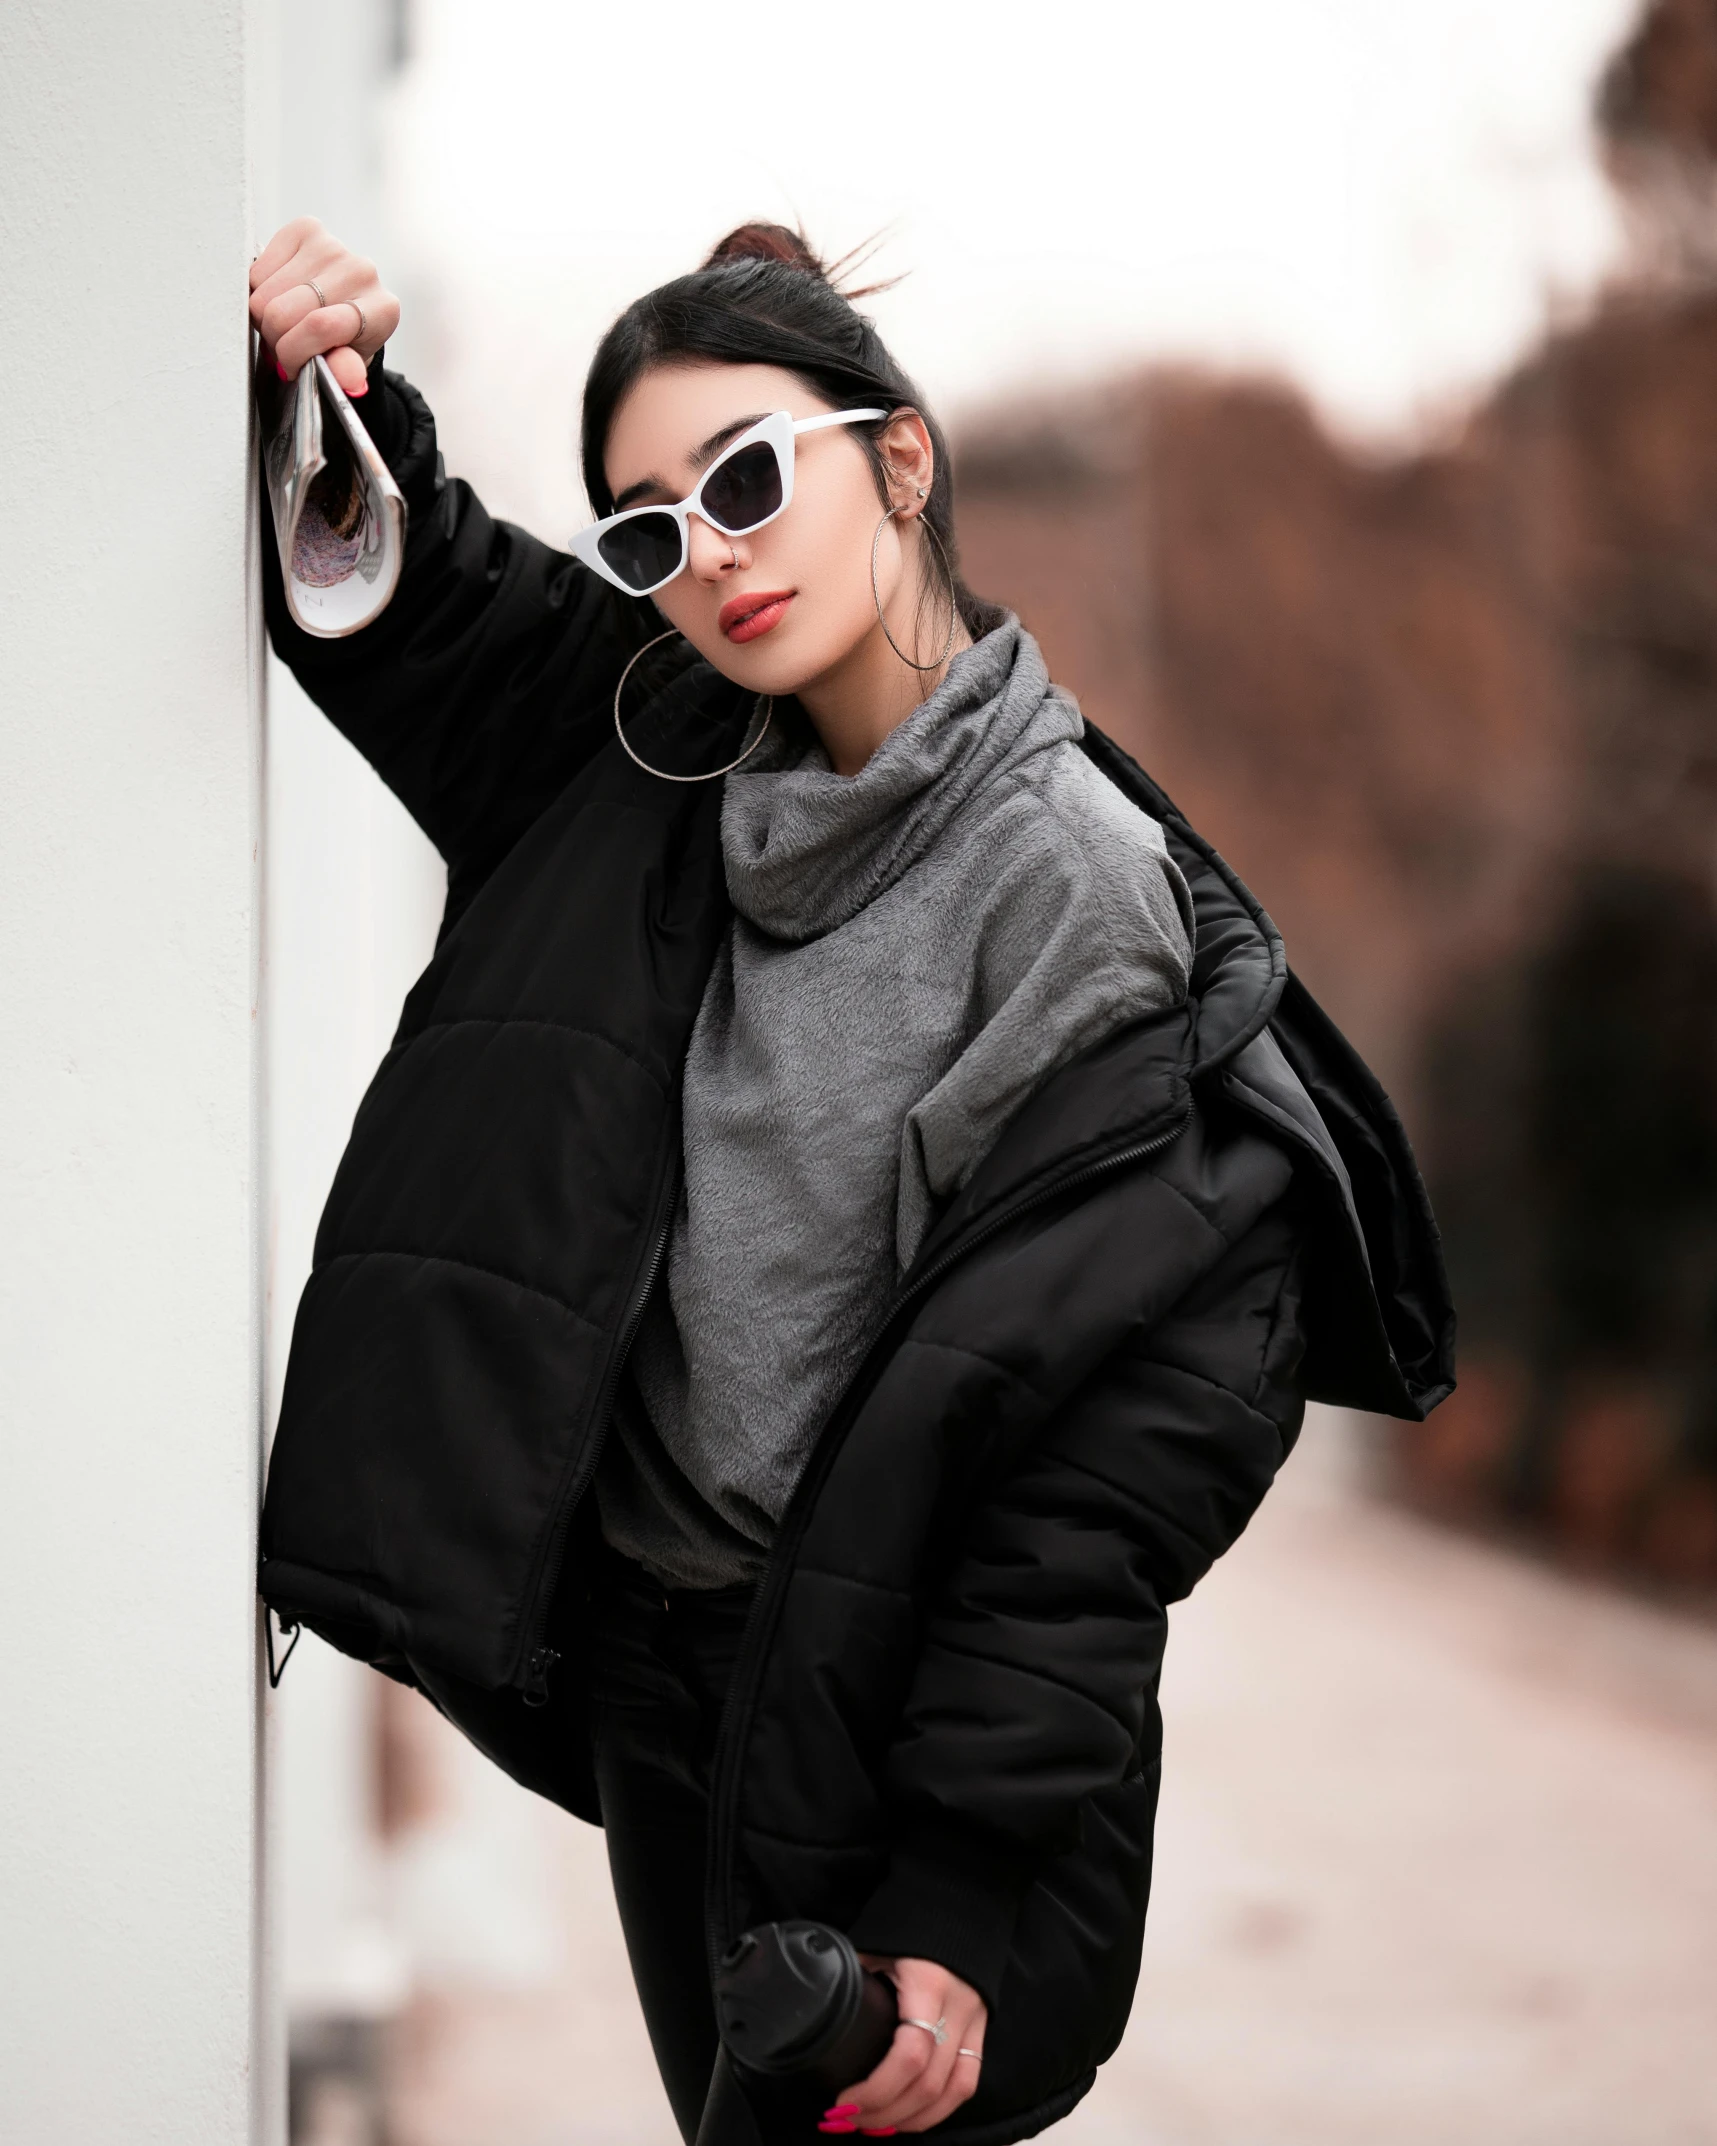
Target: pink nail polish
(843,2108)
(356,394)
(845,2124)
(280,369)
(882,2131)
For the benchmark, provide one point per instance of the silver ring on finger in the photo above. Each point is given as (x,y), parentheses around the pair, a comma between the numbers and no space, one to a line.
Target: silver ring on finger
(363,324)
(310,284)
(937,2033)
(976,2055)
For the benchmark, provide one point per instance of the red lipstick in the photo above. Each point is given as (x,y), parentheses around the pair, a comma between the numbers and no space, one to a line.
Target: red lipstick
(744,618)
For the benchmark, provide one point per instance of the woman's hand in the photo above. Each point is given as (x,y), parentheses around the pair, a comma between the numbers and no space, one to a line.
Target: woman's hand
(294,323)
(920,2081)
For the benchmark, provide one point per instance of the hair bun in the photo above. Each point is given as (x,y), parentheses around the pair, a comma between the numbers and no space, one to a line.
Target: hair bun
(768,242)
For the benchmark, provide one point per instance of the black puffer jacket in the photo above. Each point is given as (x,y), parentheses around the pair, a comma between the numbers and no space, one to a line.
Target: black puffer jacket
(943,1732)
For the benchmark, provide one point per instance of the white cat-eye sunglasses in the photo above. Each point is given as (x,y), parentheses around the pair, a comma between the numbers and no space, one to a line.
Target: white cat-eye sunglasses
(747,484)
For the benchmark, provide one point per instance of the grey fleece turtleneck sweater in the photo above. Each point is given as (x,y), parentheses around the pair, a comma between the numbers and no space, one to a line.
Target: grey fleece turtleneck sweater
(913,950)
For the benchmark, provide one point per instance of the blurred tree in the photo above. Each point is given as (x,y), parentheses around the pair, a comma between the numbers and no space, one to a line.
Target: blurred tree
(1454,715)
(1657,115)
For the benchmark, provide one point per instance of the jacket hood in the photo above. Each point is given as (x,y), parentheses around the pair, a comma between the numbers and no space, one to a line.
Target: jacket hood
(1381,1323)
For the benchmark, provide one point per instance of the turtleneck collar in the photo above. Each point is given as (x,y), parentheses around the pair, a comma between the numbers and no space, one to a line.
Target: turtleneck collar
(806,849)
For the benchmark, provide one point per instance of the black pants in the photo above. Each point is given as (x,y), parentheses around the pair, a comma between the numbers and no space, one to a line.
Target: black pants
(661,1664)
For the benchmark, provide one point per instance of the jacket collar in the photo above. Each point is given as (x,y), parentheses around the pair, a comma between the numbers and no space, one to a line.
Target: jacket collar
(1137,1083)
(1240,967)
(1382,1336)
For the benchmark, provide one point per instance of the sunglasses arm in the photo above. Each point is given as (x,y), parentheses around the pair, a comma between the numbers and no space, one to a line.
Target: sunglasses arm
(836,417)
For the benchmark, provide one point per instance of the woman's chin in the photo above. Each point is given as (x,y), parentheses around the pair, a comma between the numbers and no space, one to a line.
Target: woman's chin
(779,663)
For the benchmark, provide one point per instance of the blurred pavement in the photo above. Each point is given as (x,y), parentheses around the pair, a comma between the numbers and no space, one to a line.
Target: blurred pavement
(1437,1861)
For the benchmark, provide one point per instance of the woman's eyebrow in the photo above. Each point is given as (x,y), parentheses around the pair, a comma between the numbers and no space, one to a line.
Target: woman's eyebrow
(718,440)
(635,492)
(700,456)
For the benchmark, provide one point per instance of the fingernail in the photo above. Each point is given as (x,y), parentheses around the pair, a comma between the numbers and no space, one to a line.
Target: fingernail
(845,2124)
(356,394)
(843,2108)
(280,369)
(882,2131)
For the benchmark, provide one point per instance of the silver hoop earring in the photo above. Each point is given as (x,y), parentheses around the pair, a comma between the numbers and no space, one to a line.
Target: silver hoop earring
(764,702)
(876,595)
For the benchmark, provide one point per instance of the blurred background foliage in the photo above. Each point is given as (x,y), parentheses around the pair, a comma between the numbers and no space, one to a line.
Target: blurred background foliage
(1456,712)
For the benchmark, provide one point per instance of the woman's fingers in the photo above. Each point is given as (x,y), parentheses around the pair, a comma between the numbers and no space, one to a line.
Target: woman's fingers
(893,2078)
(310,294)
(319,257)
(962,2081)
(921,2080)
(313,252)
(938,2087)
(281,315)
(323,328)
(350,370)
(281,247)
(935,2086)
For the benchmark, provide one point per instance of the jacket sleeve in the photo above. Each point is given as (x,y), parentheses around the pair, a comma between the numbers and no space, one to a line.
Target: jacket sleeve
(1036,1685)
(489,679)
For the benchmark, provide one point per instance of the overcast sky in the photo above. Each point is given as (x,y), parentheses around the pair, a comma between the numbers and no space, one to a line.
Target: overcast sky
(1381,197)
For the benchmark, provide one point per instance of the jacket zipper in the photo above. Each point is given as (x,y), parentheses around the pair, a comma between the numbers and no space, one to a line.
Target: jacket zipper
(741,1689)
(541,1659)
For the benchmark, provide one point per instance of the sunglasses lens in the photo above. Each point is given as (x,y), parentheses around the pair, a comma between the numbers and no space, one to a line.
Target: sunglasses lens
(745,490)
(643,551)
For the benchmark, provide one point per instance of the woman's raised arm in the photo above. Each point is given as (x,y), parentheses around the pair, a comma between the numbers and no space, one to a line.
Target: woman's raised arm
(488,679)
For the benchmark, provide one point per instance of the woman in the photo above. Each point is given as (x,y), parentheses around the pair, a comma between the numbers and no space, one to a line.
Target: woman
(848,1223)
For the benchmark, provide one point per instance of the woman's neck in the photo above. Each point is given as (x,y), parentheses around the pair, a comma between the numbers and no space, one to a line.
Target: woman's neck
(870,692)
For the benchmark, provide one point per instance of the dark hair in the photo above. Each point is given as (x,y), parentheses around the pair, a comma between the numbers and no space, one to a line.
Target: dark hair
(764,298)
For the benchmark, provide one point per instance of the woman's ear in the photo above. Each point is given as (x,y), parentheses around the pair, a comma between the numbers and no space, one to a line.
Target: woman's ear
(909,460)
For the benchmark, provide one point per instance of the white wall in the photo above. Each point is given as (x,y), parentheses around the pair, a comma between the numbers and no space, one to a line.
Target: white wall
(353,896)
(129,1340)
